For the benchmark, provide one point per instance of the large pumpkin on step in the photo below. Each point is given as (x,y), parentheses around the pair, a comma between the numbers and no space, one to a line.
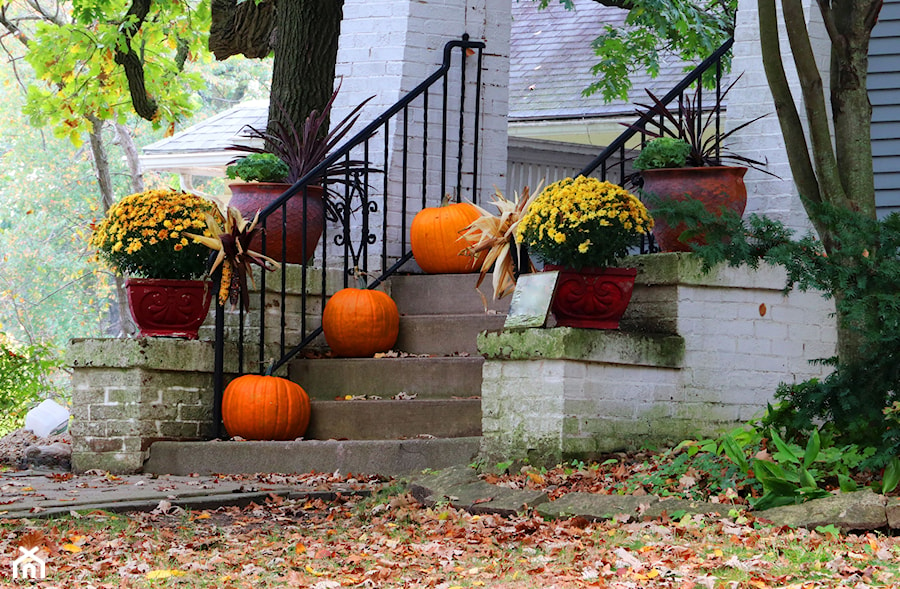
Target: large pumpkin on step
(358,323)
(258,407)
(436,239)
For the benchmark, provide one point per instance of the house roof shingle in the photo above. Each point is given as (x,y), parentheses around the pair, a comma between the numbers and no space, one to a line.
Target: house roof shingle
(551,58)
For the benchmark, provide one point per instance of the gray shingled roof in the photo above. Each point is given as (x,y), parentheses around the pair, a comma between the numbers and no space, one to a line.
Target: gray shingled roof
(551,59)
(215,133)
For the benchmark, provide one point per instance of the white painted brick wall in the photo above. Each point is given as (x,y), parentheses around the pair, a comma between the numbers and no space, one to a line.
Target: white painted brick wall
(735,355)
(387,47)
(751,97)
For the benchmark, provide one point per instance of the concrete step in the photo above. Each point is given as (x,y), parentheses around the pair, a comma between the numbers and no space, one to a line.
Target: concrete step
(453,294)
(386,457)
(445,335)
(388,419)
(427,378)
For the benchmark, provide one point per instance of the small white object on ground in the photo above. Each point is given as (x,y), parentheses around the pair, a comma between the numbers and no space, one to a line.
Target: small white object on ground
(48,417)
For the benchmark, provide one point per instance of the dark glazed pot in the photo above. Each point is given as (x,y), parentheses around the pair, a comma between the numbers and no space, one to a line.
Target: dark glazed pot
(717,187)
(593,298)
(250,197)
(168,308)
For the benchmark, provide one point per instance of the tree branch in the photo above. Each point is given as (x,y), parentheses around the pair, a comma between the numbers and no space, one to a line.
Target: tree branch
(872,15)
(143,104)
(55,17)
(785,107)
(828,19)
(126,142)
(817,116)
(242,29)
(13,28)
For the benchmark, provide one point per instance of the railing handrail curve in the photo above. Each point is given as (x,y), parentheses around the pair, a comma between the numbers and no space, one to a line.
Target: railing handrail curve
(692,76)
(369,130)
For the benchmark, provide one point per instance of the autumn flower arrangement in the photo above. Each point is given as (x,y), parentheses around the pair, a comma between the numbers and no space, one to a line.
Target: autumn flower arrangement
(143,235)
(583,222)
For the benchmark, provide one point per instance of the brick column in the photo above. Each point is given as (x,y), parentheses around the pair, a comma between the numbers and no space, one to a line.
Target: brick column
(388,47)
(129,393)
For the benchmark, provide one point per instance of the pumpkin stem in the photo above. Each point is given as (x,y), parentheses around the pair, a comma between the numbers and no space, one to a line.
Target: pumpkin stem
(361,282)
(270,368)
(446,200)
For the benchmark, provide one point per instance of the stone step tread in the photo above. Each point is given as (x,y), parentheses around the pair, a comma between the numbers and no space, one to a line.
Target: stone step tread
(392,419)
(445,335)
(451,293)
(426,377)
(386,457)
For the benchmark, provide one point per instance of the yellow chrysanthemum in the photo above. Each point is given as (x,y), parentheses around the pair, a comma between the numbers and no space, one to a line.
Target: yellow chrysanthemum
(583,221)
(137,238)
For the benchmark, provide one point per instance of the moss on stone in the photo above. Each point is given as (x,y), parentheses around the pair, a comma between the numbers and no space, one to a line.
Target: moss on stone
(591,345)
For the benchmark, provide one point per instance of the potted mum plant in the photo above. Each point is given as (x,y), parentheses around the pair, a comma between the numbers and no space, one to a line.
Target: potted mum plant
(688,158)
(299,151)
(582,227)
(144,237)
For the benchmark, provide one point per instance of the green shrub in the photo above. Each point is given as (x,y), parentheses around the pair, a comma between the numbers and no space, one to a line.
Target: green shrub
(861,271)
(258,167)
(26,375)
(663,152)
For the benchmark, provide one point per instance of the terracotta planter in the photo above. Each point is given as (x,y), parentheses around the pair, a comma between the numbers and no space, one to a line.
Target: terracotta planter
(594,298)
(250,197)
(718,188)
(168,308)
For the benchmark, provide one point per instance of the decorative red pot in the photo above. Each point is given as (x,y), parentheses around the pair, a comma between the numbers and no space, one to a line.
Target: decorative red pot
(717,187)
(249,197)
(168,308)
(595,298)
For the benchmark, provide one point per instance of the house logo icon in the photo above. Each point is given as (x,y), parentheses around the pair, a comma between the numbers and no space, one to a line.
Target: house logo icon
(29,565)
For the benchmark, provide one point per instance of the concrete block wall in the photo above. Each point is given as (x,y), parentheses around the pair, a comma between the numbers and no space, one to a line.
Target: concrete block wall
(750,98)
(697,354)
(129,393)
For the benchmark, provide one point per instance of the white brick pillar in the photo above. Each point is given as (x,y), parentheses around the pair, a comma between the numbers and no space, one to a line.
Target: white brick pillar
(388,47)
(751,98)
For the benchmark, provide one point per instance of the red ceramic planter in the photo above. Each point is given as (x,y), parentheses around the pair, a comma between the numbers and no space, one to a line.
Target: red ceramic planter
(594,298)
(168,308)
(254,196)
(717,187)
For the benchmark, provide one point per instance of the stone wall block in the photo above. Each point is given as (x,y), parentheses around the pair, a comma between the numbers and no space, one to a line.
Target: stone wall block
(153,388)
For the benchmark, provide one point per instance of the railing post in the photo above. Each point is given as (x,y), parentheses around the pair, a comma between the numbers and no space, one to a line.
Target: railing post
(219,368)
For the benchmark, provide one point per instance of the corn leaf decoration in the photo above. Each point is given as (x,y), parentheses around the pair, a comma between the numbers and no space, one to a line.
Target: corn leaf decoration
(234,255)
(495,234)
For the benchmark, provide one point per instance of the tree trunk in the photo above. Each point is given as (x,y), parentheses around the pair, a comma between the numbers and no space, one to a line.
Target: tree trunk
(126,142)
(104,180)
(840,169)
(242,29)
(306,47)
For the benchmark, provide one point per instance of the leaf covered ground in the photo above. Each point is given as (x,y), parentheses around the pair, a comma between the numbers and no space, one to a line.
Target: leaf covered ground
(388,540)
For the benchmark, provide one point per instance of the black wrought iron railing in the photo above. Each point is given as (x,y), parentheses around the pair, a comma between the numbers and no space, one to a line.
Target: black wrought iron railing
(428,139)
(615,155)
(615,158)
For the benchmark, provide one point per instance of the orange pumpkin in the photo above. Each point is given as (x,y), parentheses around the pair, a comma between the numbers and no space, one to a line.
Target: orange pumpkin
(436,239)
(258,407)
(359,322)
